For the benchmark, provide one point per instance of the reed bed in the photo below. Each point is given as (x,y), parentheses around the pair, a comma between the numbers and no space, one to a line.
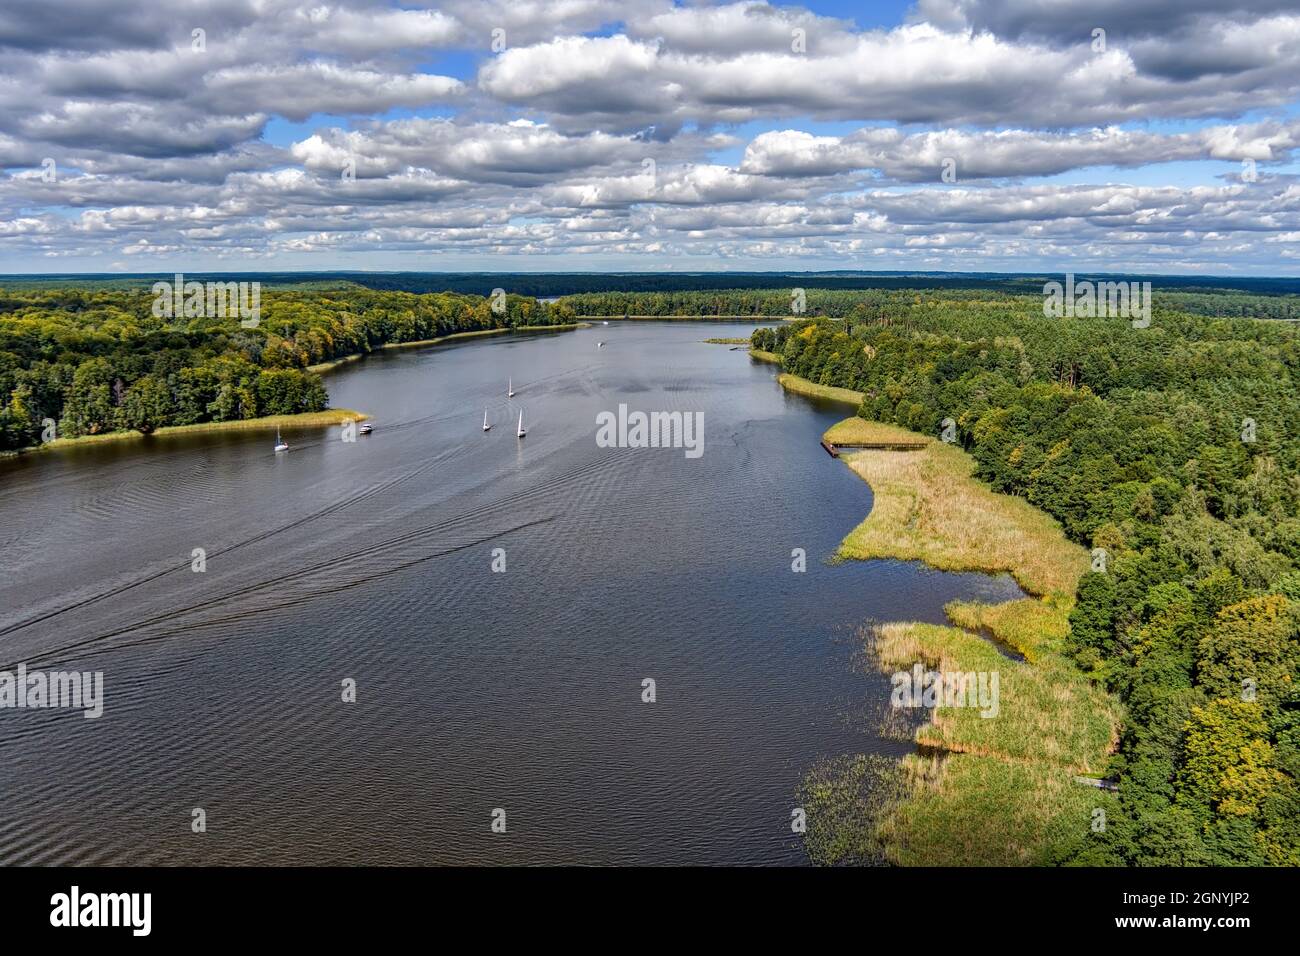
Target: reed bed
(330,416)
(929,507)
(993,790)
(801,386)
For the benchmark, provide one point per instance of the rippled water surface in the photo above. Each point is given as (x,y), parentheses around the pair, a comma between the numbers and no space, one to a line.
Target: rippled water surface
(475,690)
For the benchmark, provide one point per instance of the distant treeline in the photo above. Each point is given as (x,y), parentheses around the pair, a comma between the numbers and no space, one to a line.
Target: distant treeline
(1174,451)
(783,303)
(93,358)
(551,284)
(97,360)
(1234,304)
(760,303)
(787,302)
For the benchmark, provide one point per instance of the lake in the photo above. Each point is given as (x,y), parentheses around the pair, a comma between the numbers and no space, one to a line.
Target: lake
(476,689)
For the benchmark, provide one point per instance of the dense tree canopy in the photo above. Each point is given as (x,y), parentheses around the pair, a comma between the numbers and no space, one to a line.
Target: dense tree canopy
(1174,450)
(97,359)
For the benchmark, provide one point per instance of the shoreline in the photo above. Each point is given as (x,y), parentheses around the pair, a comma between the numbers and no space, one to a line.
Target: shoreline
(998,792)
(561,327)
(976,791)
(322,367)
(806,388)
(322,419)
(691,318)
(928,506)
(830,393)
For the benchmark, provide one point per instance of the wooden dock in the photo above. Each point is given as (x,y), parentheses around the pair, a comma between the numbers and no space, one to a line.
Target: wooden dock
(834,450)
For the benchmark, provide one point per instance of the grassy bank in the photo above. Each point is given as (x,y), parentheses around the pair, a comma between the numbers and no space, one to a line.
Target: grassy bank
(563,327)
(479,333)
(997,791)
(330,416)
(334,363)
(994,790)
(801,386)
(694,318)
(967,810)
(929,507)
(765,356)
(859,431)
(1046,715)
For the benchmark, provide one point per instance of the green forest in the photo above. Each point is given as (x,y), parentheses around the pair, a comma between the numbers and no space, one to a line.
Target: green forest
(1275,296)
(882,302)
(1172,452)
(96,360)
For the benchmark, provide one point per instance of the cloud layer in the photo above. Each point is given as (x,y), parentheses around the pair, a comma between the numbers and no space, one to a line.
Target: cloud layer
(971,135)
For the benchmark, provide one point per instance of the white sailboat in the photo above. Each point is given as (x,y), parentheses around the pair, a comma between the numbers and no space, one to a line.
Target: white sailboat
(521,433)
(510,388)
(280,443)
(487,426)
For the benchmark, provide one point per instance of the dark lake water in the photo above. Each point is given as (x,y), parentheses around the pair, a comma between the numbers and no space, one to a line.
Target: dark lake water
(476,690)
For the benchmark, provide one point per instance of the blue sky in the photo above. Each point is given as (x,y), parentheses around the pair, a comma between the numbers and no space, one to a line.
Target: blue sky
(528,158)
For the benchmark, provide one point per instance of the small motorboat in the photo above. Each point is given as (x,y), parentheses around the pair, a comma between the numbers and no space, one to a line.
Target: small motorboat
(605,323)
(487,425)
(367,428)
(521,432)
(600,345)
(280,443)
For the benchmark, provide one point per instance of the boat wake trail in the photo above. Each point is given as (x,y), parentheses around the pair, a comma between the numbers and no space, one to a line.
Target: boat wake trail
(327,511)
(338,572)
(53,658)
